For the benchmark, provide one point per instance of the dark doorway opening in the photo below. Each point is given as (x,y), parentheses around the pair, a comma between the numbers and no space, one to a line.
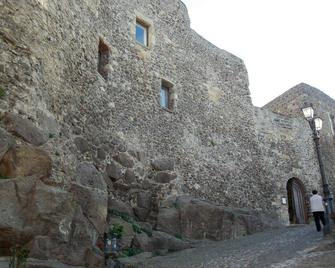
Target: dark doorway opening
(297,206)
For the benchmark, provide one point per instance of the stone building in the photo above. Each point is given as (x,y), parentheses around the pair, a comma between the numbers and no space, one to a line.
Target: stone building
(121,100)
(288,142)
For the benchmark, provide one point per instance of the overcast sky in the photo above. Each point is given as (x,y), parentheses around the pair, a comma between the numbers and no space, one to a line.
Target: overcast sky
(282,42)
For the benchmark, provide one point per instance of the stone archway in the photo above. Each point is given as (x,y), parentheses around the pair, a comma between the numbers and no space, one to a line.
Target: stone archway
(297,207)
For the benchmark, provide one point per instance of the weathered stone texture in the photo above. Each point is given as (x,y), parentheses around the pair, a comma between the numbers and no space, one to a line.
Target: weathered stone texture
(290,104)
(24,129)
(105,138)
(288,153)
(191,218)
(6,142)
(24,161)
(58,75)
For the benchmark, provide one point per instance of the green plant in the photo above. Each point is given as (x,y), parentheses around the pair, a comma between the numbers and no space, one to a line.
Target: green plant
(122,215)
(136,228)
(57,154)
(116,230)
(178,236)
(2,177)
(148,232)
(2,93)
(130,252)
(51,135)
(18,257)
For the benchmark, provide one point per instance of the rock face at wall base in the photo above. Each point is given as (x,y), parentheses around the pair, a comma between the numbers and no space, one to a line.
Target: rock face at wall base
(82,150)
(44,219)
(195,219)
(24,161)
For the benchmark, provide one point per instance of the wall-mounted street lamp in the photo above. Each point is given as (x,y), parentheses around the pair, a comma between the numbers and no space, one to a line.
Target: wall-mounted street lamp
(315,123)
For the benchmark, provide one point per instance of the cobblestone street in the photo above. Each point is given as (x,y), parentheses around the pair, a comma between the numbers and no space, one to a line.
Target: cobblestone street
(298,246)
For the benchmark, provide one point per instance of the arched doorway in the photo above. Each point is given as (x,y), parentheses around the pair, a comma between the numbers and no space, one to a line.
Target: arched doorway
(296,201)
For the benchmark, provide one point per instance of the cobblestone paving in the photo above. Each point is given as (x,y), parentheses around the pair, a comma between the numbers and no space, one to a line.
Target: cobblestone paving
(285,247)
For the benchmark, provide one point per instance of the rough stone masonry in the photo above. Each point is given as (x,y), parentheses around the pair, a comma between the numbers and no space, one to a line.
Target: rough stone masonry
(83,132)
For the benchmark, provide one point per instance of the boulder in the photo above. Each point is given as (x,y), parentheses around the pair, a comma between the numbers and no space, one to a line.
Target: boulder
(139,155)
(114,171)
(6,142)
(82,144)
(101,153)
(24,161)
(142,241)
(141,213)
(134,261)
(162,164)
(78,253)
(119,206)
(162,240)
(12,228)
(142,204)
(168,220)
(87,175)
(203,220)
(90,191)
(143,199)
(164,177)
(24,129)
(130,176)
(146,226)
(47,122)
(125,159)
(30,208)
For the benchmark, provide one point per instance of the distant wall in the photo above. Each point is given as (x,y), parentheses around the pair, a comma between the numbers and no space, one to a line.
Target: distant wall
(290,104)
(288,151)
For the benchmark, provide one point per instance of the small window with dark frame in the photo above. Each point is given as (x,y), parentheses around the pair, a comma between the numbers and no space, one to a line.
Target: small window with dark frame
(142,33)
(103,60)
(165,95)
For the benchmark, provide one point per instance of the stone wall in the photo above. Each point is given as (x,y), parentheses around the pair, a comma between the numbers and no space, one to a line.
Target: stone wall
(50,58)
(97,133)
(288,151)
(290,104)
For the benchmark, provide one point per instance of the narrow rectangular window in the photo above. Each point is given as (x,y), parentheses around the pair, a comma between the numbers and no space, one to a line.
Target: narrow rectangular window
(141,33)
(332,120)
(165,97)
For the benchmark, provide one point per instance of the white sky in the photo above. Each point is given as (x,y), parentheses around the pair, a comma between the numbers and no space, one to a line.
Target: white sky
(282,42)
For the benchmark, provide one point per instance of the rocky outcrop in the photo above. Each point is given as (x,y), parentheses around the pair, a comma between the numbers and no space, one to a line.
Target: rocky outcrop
(24,161)
(6,142)
(119,206)
(49,220)
(24,129)
(90,191)
(163,164)
(165,177)
(195,219)
(114,171)
(30,208)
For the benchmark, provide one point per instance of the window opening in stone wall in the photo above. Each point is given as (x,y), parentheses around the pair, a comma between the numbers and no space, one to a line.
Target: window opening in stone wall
(332,119)
(103,60)
(142,32)
(165,95)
